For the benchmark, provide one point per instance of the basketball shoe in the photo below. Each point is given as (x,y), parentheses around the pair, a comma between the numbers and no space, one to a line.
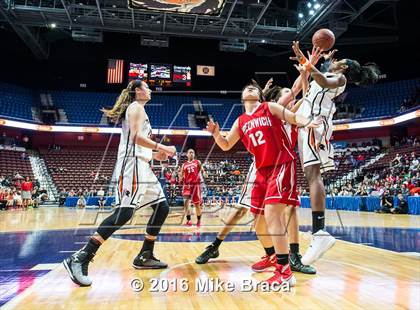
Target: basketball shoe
(321,242)
(77,267)
(146,260)
(296,264)
(265,263)
(282,274)
(210,252)
(188,223)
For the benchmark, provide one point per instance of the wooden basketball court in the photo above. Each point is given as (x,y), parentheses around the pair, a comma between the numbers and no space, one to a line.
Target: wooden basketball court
(359,273)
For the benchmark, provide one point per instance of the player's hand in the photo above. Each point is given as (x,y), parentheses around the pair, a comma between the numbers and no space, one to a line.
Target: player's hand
(314,123)
(268,85)
(168,150)
(300,68)
(329,55)
(299,57)
(213,127)
(315,56)
(161,156)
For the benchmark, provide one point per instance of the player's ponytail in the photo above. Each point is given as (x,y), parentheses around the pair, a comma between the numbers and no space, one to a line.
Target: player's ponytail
(127,96)
(361,75)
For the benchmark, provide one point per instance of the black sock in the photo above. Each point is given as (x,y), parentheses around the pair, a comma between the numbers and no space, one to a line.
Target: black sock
(92,246)
(282,259)
(294,248)
(148,245)
(269,251)
(188,217)
(198,217)
(217,242)
(318,221)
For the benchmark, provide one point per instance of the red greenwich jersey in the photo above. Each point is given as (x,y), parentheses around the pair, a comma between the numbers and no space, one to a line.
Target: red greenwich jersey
(265,137)
(191,171)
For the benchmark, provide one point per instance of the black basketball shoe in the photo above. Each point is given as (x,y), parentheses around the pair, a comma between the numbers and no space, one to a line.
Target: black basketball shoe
(210,252)
(146,260)
(77,267)
(296,264)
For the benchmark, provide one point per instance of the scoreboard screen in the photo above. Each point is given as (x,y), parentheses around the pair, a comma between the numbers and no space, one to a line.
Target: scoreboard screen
(160,75)
(203,7)
(137,72)
(182,75)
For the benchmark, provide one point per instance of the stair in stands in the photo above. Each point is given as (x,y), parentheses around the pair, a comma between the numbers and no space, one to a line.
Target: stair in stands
(41,174)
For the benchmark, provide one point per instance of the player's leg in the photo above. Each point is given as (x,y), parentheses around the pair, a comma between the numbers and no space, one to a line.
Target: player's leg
(293,233)
(275,215)
(212,251)
(154,197)
(77,264)
(187,211)
(322,241)
(197,202)
(186,194)
(269,259)
(281,192)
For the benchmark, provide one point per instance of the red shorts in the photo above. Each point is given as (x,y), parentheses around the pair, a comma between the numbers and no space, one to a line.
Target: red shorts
(277,184)
(192,192)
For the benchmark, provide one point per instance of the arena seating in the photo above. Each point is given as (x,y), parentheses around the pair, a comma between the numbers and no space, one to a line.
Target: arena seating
(383,99)
(12,162)
(16,101)
(72,168)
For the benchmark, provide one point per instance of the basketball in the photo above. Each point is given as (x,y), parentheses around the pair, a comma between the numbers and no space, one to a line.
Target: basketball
(323,38)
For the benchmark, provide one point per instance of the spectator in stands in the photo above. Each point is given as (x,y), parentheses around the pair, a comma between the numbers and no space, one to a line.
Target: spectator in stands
(27,188)
(62,197)
(386,203)
(72,193)
(101,202)
(362,190)
(360,160)
(101,192)
(402,207)
(17,197)
(10,199)
(81,202)
(3,199)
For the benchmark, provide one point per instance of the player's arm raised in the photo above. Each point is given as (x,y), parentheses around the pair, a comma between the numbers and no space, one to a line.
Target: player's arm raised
(321,79)
(136,119)
(301,83)
(305,87)
(292,118)
(225,143)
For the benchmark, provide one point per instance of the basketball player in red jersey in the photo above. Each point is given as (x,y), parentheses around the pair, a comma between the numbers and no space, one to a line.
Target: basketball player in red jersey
(262,132)
(191,191)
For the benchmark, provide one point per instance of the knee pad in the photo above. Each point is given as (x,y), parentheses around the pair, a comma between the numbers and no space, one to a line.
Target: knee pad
(160,212)
(114,221)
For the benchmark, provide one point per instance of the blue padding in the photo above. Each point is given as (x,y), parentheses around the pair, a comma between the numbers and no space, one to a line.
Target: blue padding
(373,203)
(413,205)
(91,201)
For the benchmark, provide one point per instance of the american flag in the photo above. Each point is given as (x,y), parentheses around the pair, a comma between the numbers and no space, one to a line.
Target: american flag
(115,71)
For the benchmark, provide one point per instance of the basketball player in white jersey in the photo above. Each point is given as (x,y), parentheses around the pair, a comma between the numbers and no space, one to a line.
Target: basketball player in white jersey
(137,185)
(315,149)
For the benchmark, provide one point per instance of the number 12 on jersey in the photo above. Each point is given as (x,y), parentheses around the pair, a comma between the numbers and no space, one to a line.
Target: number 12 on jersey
(257,139)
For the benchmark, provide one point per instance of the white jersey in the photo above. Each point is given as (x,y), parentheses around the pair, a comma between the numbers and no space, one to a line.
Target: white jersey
(127,146)
(137,185)
(320,101)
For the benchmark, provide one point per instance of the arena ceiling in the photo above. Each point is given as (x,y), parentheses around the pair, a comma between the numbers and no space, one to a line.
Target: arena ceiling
(262,22)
